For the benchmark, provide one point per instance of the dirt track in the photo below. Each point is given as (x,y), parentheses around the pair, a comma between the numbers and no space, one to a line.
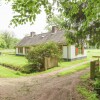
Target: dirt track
(41,88)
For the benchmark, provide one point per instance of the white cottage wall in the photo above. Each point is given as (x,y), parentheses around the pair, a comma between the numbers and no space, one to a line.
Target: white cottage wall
(23,50)
(72,51)
(65,52)
(16,50)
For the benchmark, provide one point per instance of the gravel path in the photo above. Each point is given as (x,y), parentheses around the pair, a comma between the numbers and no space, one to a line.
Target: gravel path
(42,87)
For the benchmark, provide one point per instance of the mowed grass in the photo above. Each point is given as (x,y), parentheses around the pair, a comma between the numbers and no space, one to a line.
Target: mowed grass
(13,60)
(78,68)
(92,52)
(21,61)
(7,51)
(65,64)
(6,72)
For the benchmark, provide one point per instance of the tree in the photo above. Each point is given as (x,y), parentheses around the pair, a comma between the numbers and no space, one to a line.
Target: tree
(2,42)
(78,14)
(56,20)
(9,39)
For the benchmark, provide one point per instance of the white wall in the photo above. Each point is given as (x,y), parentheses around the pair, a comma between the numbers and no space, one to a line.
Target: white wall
(71,52)
(20,53)
(65,52)
(16,50)
(23,50)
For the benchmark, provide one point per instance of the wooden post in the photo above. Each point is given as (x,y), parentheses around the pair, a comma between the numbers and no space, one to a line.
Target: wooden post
(94,68)
(45,63)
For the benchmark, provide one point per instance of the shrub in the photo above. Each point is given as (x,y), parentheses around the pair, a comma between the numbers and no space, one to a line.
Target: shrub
(37,54)
(97,83)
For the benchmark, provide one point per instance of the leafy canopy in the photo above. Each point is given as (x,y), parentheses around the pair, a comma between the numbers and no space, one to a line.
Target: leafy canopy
(81,16)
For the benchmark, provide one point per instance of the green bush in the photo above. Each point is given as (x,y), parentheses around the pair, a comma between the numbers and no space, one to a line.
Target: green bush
(37,54)
(97,83)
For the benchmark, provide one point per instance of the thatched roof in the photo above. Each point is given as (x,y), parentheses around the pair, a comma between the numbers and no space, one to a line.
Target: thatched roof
(57,37)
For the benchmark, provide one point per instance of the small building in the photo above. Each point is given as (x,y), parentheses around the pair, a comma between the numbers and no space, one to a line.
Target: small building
(68,52)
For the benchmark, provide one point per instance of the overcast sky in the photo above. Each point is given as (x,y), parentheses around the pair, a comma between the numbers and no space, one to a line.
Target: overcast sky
(6,14)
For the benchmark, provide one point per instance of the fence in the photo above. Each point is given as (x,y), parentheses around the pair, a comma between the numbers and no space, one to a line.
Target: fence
(94,68)
(50,62)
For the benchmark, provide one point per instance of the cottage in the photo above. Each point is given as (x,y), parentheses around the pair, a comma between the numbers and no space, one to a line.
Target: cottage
(57,36)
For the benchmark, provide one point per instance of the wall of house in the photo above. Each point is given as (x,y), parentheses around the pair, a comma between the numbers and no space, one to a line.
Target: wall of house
(24,50)
(69,52)
(64,55)
(16,50)
(72,53)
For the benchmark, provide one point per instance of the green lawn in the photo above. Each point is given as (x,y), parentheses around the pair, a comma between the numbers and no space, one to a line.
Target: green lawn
(13,61)
(78,68)
(7,51)
(6,72)
(66,64)
(20,61)
(93,52)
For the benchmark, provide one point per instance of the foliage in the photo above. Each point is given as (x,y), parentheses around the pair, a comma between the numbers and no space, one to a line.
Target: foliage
(81,16)
(97,83)
(86,89)
(7,40)
(88,95)
(2,42)
(26,11)
(55,21)
(37,54)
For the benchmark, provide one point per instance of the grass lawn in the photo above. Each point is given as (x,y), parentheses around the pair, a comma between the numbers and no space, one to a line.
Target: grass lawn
(13,61)
(20,61)
(7,51)
(66,64)
(92,52)
(85,88)
(6,72)
(78,68)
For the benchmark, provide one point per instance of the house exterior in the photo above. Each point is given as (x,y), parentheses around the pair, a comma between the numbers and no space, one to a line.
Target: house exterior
(68,52)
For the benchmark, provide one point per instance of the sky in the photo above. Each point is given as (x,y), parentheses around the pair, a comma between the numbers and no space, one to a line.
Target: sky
(20,31)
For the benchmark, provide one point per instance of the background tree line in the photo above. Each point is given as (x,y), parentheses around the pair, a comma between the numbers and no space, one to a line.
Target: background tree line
(7,40)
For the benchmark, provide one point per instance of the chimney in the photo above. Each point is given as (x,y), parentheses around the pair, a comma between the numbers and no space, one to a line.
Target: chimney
(54,29)
(32,34)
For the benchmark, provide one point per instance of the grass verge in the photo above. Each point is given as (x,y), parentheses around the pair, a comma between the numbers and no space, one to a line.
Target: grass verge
(85,88)
(13,61)
(6,73)
(73,70)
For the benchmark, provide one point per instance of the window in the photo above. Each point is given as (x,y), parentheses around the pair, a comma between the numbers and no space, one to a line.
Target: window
(20,50)
(26,50)
(79,50)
